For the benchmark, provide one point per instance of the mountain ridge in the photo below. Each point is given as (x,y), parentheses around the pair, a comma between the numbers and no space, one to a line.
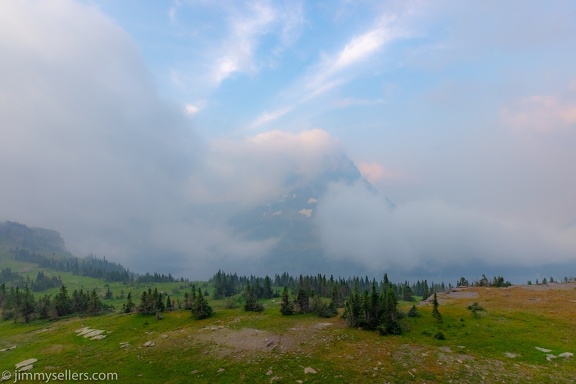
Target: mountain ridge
(35,239)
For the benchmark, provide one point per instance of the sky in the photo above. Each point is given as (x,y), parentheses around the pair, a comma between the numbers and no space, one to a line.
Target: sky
(121,121)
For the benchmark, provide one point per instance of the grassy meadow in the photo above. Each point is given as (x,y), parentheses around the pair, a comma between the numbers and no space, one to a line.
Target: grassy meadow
(497,345)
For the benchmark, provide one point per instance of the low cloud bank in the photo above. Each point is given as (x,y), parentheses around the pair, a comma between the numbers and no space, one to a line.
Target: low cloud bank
(357,224)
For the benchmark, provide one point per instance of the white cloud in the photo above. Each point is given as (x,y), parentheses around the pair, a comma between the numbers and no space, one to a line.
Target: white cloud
(375,172)
(541,114)
(360,225)
(247,26)
(362,47)
(333,70)
(268,117)
(258,169)
(193,109)
(100,157)
(347,102)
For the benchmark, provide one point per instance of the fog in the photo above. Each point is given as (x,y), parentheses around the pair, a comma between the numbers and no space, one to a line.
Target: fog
(90,148)
(432,235)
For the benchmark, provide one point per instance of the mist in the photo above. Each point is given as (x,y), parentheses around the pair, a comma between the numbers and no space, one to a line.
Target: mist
(91,148)
(356,223)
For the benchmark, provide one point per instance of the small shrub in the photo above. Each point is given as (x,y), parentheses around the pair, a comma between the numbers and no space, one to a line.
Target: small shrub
(7,315)
(253,306)
(427,332)
(413,312)
(475,307)
(231,303)
(439,335)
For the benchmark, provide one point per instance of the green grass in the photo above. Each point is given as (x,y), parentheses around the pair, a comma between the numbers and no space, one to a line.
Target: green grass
(337,353)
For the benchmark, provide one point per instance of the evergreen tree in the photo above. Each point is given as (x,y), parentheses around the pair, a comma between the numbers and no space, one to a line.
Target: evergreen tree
(151,303)
(27,305)
(407,294)
(336,297)
(79,301)
(353,307)
(425,290)
(388,321)
(201,309)
(413,312)
(95,306)
(286,307)
(435,313)
(322,308)
(160,303)
(303,301)
(62,303)
(43,307)
(251,303)
(3,294)
(129,306)
(267,289)
(187,301)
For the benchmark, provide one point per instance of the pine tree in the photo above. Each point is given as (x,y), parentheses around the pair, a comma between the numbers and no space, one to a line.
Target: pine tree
(251,302)
(388,321)
(286,307)
(187,301)
(413,312)
(267,290)
(129,306)
(62,303)
(43,307)
(95,306)
(303,301)
(27,304)
(201,309)
(435,313)
(407,294)
(353,307)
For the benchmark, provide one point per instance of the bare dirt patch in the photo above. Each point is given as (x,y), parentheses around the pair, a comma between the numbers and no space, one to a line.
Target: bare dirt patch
(293,339)
(456,293)
(246,339)
(549,286)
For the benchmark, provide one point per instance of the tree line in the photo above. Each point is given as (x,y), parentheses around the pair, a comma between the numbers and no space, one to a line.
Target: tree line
(91,266)
(226,285)
(155,303)
(20,304)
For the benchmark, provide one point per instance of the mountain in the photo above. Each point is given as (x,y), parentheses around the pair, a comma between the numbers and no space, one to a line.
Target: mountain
(41,240)
(290,220)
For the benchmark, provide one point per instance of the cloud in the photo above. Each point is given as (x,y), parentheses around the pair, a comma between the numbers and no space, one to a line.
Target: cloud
(260,168)
(268,117)
(95,153)
(356,51)
(347,102)
(541,114)
(357,224)
(193,109)
(362,47)
(375,172)
(329,72)
(247,27)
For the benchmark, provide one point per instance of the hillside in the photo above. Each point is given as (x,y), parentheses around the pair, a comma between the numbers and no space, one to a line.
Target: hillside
(41,240)
(503,344)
